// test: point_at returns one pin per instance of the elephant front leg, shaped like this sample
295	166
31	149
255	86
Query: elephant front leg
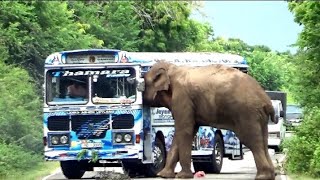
173	158
171	161
185	134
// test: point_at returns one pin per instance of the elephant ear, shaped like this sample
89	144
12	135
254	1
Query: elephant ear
161	80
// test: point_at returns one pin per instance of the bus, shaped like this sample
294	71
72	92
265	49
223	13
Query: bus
94	116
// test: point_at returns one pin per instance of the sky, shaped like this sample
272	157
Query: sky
267	23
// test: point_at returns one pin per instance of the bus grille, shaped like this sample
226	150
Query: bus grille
58	123
90	126
122	121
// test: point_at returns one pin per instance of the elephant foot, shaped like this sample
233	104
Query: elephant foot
165	173
265	176
185	174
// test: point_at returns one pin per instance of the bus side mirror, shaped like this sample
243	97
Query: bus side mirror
140	85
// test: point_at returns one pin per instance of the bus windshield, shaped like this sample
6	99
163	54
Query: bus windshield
107	86
117	86
64	89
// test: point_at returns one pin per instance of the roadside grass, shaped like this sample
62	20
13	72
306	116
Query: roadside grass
301	177
36	173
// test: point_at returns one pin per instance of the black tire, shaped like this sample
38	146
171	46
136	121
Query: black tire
151	170
216	158
241	152
72	169
277	149
132	168
135	168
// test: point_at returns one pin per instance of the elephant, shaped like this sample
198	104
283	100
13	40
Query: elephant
213	95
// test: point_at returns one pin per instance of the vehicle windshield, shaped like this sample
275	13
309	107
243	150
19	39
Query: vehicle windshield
293	112
64	87
115	86
294	115
294	109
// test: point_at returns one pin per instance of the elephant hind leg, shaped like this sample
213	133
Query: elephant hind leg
254	139
265	139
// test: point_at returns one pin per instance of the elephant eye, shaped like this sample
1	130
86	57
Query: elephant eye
157	77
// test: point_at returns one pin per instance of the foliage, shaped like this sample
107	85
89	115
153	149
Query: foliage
14	157
264	64
33	30
304	149
20	109
308	87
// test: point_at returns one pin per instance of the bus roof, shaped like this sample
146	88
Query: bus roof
186	58
90	50
107	56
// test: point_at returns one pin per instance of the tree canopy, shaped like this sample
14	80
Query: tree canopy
304	148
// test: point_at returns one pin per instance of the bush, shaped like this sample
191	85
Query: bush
303	154
20	109
15	159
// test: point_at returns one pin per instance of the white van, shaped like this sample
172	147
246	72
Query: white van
276	131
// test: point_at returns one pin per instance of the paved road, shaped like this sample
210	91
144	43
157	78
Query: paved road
238	169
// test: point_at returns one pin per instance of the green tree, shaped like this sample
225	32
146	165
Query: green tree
265	65
116	23
33	30
304	156
20	109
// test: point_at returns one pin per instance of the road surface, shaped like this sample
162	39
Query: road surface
237	169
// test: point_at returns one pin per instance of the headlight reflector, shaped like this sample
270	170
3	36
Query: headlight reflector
64	139
54	140
127	137
118	138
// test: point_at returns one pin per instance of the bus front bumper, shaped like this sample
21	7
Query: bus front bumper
90	154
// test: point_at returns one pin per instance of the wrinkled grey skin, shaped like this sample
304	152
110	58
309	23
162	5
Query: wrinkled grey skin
216	96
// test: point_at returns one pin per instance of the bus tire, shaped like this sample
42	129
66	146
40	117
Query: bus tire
159	152
132	169
216	159
72	169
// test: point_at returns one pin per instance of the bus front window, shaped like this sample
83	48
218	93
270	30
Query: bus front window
64	89
114	87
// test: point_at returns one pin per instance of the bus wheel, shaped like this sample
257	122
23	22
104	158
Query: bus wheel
159	159
72	169
132	169
216	159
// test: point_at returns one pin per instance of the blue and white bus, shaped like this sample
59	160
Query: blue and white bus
94	114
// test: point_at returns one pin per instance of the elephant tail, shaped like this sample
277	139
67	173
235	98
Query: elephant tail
271	113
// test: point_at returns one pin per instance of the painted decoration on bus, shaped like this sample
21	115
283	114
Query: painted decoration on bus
93	131
168	133
189	58
161	116
205	138
90	59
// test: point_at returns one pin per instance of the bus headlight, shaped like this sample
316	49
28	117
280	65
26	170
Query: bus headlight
58	139
118	138
54	140
127	137
123	137
64	139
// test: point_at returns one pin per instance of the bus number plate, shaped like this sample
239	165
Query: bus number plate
87	145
